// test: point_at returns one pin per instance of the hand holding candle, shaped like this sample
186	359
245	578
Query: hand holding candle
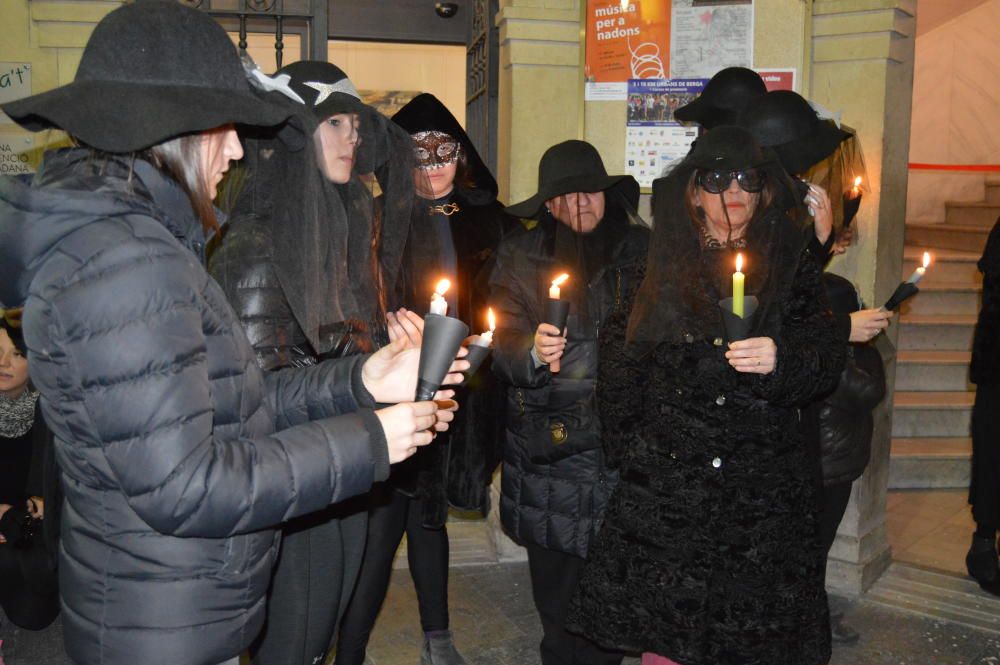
438	304
737	312
556	312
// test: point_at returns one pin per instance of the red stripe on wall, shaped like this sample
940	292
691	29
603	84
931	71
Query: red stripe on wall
918	166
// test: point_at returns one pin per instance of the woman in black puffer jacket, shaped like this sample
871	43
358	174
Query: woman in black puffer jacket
178	455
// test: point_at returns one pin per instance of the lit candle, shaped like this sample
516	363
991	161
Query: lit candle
919	272
554	289
438	304
486	339
856	190
738	280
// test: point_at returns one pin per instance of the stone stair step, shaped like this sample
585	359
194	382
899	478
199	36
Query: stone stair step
949	265
938	596
932	413
936	332
968	238
932	370
993	191
972	213
945	298
930	462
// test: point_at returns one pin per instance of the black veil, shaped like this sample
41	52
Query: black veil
333	247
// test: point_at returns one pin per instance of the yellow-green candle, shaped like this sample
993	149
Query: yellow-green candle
738	279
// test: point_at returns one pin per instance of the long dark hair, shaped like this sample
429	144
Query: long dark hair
180	158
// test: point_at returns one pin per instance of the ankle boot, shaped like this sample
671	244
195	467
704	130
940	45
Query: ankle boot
981	562
439	649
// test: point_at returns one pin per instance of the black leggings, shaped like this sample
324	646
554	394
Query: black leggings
427	552
28	591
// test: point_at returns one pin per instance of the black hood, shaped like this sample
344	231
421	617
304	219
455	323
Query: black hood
426	113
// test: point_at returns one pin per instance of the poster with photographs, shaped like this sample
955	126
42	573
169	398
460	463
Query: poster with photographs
653	139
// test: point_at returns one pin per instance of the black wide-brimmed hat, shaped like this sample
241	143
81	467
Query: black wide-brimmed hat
785	122
151	71
573	166
324	87
724	98
426	113
727	148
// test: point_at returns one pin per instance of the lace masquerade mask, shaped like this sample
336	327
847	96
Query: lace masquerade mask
435	149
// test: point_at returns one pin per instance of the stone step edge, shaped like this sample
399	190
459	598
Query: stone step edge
972	204
915	253
951	287
937	596
938	320
933	400
946	448
941	358
977	229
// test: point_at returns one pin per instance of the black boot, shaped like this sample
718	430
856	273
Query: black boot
981	562
439	649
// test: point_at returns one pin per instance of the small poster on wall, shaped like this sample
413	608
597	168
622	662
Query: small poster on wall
14	153
778	79
625	40
709	35
15	83
653	139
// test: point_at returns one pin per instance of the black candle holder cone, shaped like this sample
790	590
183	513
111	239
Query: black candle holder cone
556	313
477	354
443	337
738	328
851	206
902	293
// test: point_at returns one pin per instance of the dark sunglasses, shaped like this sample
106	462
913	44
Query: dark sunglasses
716	182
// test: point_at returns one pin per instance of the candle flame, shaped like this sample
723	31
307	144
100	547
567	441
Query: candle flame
857	181
491	317
927	259
739	262
442	287
558	281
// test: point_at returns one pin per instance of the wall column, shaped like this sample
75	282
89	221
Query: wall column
862	65
541	87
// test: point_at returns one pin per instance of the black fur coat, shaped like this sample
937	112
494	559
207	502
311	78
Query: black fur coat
709	551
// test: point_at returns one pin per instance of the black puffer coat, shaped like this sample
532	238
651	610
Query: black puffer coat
709	551
985	367
556	480
178	454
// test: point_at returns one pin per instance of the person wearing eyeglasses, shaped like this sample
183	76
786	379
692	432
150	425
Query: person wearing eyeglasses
709	551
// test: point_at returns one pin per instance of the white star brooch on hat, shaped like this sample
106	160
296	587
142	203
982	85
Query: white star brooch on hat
326	89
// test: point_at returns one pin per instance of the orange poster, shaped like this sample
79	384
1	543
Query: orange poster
629	40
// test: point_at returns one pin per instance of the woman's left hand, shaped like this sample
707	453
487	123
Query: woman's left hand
756	355
36	507
818	203
390	374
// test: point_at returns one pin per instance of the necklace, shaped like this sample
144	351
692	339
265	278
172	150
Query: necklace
710	242
17	415
446	209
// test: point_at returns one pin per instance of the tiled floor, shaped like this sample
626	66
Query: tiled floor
930	528
495	623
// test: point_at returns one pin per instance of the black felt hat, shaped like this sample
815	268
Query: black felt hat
324	87
426	113
724	98
784	121
573	166
151	71
727	148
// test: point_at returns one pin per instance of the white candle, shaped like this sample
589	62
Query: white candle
554	289
921	270
438	304
486	339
